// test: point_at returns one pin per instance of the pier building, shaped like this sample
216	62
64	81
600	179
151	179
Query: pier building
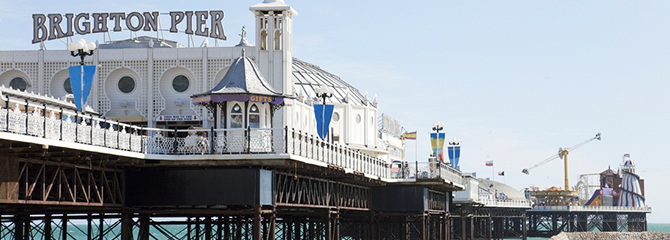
216	142
206	142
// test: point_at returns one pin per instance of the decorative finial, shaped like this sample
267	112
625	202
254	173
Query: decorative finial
244	53
42	46
243	41
151	43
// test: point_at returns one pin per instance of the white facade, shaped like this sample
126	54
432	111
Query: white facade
152	86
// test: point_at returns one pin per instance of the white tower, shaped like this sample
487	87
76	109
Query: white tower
274	42
274	46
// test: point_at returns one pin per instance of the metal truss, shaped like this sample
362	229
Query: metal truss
303	191
60	226
546	224
475	221
33	181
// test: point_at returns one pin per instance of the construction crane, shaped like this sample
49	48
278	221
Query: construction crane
562	153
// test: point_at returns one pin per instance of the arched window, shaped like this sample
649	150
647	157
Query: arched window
264	40
18	83
254	117
236	120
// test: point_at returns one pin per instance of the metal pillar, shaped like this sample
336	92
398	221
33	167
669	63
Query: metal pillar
256	229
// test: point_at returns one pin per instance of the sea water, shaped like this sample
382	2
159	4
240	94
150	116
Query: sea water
651	227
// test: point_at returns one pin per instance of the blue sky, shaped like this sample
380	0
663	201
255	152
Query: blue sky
514	80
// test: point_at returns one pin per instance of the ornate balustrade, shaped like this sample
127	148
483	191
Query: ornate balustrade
69	126
591	208
72	126
505	203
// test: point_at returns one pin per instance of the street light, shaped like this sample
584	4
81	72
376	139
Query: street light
323	93
454	141
82	50
438	126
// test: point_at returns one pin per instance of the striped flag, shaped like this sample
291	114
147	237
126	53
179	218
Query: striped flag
501	173
626	155
410	135
489	163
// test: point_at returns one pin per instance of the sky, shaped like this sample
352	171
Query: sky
513	80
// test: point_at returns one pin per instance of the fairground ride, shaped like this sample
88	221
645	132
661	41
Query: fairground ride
557	196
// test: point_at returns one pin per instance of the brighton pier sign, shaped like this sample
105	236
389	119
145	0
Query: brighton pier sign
49	27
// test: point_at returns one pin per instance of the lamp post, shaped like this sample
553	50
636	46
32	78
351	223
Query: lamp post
437	127
453	151
81	49
323	93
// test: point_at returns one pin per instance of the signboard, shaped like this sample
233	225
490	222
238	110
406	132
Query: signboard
215	98
261	99
391	126
55	26
177	118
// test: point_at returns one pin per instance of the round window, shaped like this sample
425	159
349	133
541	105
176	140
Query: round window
67	86
358	118
336	117
18	83
180	83
126	84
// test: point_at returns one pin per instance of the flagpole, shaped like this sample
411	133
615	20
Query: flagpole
493	170
416	154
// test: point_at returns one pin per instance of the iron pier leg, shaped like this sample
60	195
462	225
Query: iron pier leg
463	232
523	225
126	226
472	227
47	227
273	225
257	223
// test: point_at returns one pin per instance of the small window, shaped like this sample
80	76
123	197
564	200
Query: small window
67	86
180	83
358	118
18	83
126	84
336	117
254	117
236	120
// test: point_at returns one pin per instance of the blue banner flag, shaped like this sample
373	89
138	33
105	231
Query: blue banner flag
455	155
323	117
76	81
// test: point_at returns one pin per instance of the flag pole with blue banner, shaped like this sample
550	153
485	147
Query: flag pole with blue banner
324	112
85	73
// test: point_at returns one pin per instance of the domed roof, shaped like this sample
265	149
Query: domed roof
307	77
628	163
510	192
243	77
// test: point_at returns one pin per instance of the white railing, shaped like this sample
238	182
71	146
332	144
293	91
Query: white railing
71	126
430	170
591	208
505	203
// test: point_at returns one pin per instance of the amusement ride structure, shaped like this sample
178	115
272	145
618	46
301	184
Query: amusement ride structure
554	195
